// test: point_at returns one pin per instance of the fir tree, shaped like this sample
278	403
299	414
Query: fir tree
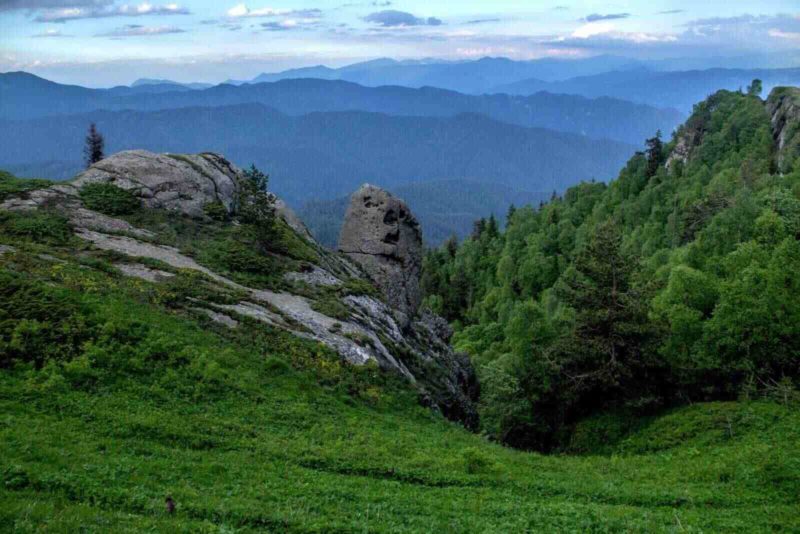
655	154
93	151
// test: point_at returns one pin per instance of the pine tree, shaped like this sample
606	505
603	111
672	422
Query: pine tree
492	230
93	151
655	154
512	209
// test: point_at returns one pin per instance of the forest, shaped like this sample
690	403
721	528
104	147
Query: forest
676	283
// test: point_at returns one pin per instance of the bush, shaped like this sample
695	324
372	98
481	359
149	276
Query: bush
40	226
38	322
216	211
109	199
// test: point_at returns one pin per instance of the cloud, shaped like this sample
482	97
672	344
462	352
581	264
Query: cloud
287	25
482	21
672	12
32	5
595	17
50	33
778	34
709	37
398	19
96	12
765	30
137	30
242	11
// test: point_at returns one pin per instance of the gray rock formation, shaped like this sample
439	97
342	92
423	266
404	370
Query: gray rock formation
176	182
391	250
381	234
783	106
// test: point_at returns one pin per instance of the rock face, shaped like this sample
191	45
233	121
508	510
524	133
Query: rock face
381	234
176	182
783	106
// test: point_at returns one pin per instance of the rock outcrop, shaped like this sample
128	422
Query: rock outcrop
382	235
783	106
178	182
416	347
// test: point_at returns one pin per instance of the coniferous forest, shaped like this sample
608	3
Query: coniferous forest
676	283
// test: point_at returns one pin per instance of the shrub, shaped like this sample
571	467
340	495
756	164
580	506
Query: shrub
40	226
109	199
38	322
216	210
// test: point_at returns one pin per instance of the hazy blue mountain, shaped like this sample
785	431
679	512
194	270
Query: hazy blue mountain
328	155
25	96
444	208
464	76
150	81
679	89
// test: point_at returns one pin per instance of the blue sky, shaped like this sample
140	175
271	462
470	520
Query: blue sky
106	42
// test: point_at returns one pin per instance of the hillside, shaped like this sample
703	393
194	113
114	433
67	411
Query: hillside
676	283
118	388
681	89
24	96
328	155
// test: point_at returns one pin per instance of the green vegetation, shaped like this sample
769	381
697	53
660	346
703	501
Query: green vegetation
674	283
39	226
10	185
120	399
109	199
591	320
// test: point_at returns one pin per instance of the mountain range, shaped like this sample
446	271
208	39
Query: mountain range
24	96
325	155
679	89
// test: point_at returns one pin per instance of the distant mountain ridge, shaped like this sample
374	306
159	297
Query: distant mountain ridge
24	96
150	81
472	77
678	89
327	155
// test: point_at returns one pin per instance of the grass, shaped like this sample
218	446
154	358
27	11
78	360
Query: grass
114	394
255	430
13	186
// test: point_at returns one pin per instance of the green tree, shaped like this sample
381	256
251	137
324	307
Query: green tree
255	205
654	154
94	146
755	88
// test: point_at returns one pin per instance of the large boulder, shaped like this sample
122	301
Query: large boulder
179	182
382	235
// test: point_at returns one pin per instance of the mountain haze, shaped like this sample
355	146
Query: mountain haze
326	155
24	96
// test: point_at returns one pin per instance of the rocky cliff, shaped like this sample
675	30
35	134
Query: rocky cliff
783	106
324	298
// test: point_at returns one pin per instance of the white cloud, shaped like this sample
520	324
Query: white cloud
592	29
50	33
125	10
137	30
778	34
241	10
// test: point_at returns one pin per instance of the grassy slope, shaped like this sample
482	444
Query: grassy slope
255	430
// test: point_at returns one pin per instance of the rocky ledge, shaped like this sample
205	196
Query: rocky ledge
382	241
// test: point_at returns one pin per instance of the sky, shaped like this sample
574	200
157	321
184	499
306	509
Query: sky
100	43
